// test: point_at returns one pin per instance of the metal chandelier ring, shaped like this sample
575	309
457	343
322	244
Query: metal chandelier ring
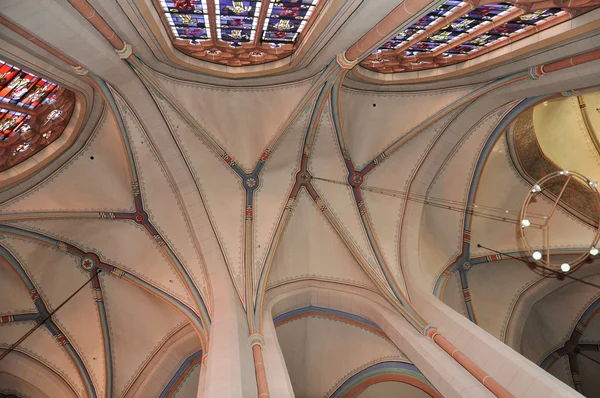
538	187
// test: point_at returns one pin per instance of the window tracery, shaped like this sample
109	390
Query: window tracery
456	31
33	113
238	33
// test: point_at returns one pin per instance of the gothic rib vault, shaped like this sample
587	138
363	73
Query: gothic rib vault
250	225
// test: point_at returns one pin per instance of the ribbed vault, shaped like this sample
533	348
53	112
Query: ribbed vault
198	195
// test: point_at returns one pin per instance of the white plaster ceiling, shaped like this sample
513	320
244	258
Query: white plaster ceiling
171	135
310	249
394	115
312	347
501	187
68	189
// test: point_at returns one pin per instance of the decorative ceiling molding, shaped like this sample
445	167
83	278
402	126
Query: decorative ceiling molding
161	366
10	260
238	33
380	372
34	113
251	58
455	32
579	27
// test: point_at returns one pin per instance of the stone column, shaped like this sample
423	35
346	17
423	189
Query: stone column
230	365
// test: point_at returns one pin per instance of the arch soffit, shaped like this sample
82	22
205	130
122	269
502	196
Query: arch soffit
86	108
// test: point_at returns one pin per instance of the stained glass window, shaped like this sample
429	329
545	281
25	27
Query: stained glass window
243	31
443	10
469	32
23	88
237	20
12	122
286	19
461	27
505	30
33	113
188	19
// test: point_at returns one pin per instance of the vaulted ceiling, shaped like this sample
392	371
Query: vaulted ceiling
187	183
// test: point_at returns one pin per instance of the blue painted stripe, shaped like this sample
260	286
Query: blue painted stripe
49	324
111	101
382	368
194	318
24	317
489	145
183	371
310	308
107	348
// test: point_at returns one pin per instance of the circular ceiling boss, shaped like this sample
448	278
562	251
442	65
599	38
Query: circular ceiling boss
530	220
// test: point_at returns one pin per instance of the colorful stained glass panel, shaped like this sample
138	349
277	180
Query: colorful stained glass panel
286	20
11	122
187	19
237	20
537	16
505	30
460	27
24	89
422	23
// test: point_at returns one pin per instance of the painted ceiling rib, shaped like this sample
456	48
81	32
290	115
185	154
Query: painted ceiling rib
143	73
60	338
21	317
302	177
466	246
194	178
355	180
457	264
251	294
445	111
108	360
141	217
110	269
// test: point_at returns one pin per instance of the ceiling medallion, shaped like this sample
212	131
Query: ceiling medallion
87	263
250	182
304	177
532	221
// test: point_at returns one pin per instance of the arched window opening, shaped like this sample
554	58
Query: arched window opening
33	113
238	33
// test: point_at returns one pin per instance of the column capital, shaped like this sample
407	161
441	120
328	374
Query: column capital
80	70
125	52
535	72
257	339
344	63
430	331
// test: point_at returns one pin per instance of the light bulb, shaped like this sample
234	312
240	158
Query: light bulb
537	255
563	172
525	223
565	267
536	188
594	251
593	184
